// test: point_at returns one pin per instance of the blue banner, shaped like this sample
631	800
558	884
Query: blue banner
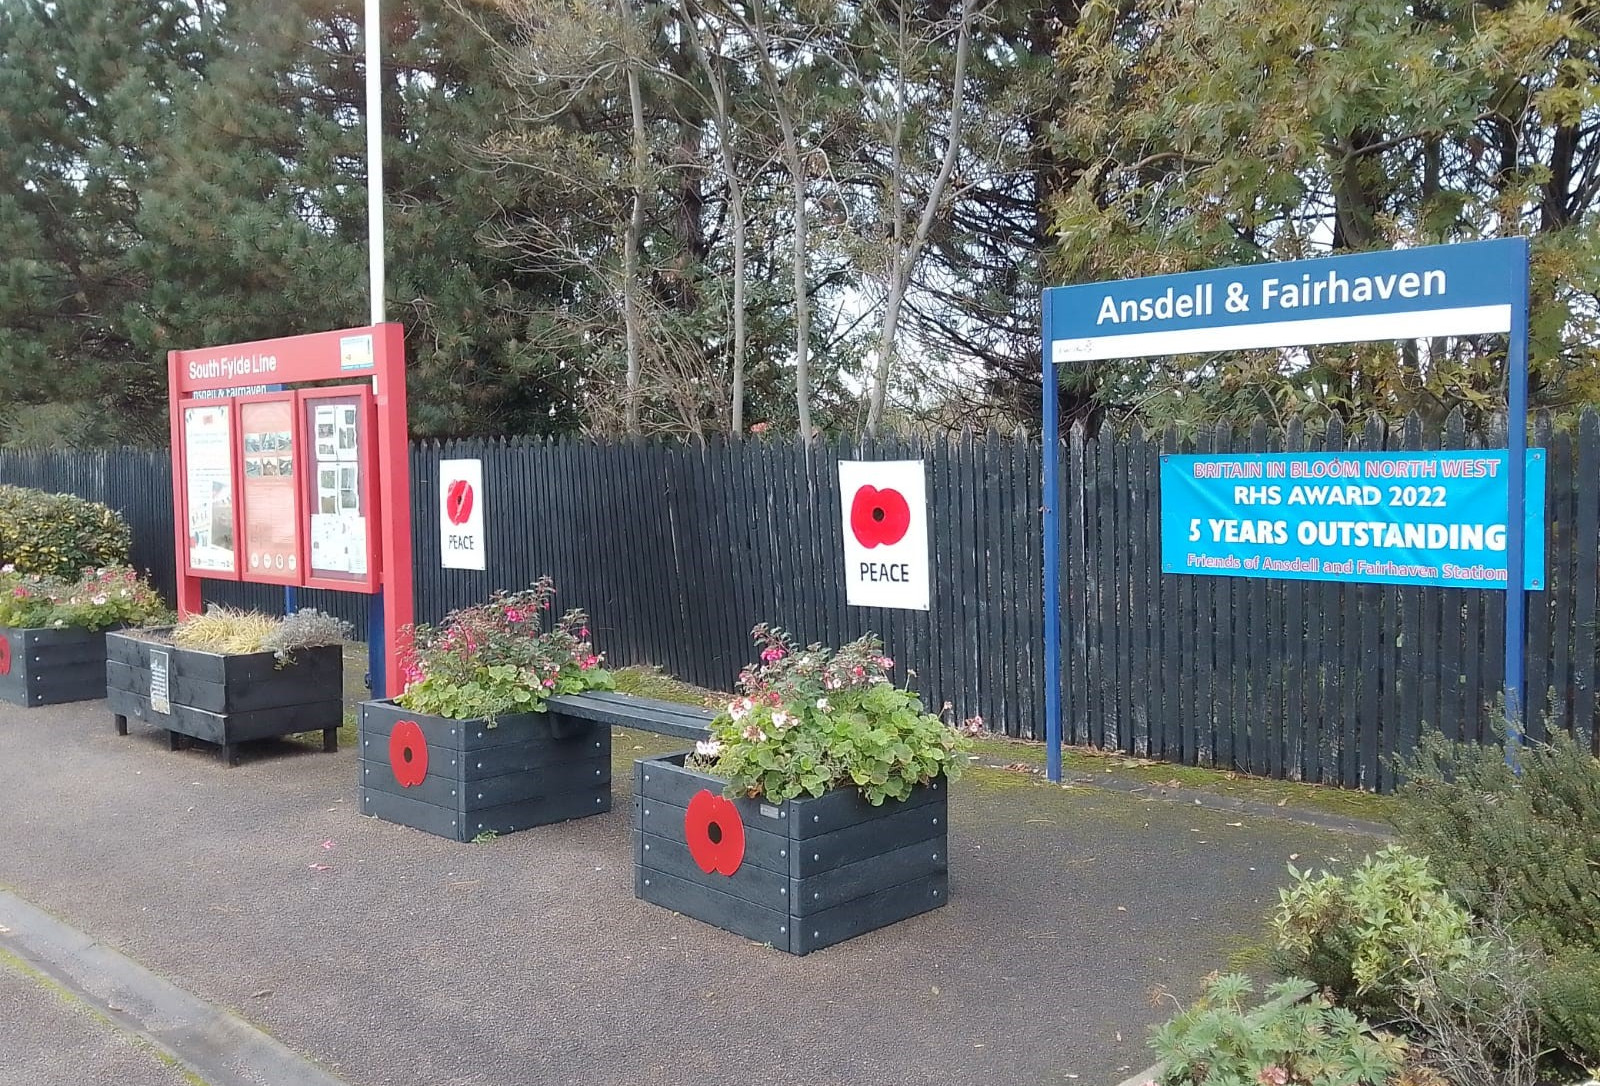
1436	290
1435	518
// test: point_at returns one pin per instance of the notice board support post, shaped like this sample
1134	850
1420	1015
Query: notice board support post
1052	560
188	587
392	605
1516	493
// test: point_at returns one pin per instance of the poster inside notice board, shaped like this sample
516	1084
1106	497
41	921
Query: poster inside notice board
208	488
269	515
339	494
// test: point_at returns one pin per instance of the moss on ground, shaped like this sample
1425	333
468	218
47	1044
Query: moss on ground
1084	762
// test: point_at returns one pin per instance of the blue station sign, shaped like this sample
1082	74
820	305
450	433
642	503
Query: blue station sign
1440	290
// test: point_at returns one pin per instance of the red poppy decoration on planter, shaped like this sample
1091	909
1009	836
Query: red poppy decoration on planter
715	833
408	754
879	516
5	655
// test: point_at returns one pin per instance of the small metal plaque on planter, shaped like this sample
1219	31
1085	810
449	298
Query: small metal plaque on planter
158	682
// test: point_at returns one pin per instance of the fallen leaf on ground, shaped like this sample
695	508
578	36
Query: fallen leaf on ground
320	867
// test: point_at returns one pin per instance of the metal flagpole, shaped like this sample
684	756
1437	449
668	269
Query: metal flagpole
372	32
375	157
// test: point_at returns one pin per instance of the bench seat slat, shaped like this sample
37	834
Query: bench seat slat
643	714
634	701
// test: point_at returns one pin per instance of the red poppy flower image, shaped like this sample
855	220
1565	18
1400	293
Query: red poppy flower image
879	516
5	655
408	754
714	832
458	501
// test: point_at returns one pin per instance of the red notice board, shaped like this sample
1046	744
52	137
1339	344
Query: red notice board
339	491
272	463
208	488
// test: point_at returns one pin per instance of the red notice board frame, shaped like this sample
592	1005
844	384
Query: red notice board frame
237	372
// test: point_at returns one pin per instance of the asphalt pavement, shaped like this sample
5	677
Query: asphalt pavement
392	958
49	1037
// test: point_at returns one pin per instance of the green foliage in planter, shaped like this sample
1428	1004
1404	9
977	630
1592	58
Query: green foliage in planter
496	657
1296	1037
814	719
98	600
1525	847
59	535
233	632
1366	937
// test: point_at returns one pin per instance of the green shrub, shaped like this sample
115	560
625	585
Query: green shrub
1366	937
1296	1037
59	535
1526	848
1476	1023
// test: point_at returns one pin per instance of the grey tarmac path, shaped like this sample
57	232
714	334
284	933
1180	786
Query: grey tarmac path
392	958
49	1037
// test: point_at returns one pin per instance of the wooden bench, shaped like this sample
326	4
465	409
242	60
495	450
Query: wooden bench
641	714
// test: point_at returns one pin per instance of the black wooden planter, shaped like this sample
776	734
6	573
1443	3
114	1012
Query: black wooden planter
462	778
812	871
224	699
50	666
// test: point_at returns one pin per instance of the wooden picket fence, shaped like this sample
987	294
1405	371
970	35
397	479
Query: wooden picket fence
677	550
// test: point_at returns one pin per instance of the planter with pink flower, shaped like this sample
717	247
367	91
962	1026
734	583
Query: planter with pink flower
817	810
471	747
53	631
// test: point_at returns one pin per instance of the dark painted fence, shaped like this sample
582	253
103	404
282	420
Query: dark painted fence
676	551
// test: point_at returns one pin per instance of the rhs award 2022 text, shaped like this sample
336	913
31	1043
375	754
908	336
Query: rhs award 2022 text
1398	518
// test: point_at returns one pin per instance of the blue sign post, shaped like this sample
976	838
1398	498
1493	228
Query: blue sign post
1474	288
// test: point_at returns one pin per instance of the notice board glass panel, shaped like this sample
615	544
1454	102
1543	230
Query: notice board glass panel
269	490
208	489
340	490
